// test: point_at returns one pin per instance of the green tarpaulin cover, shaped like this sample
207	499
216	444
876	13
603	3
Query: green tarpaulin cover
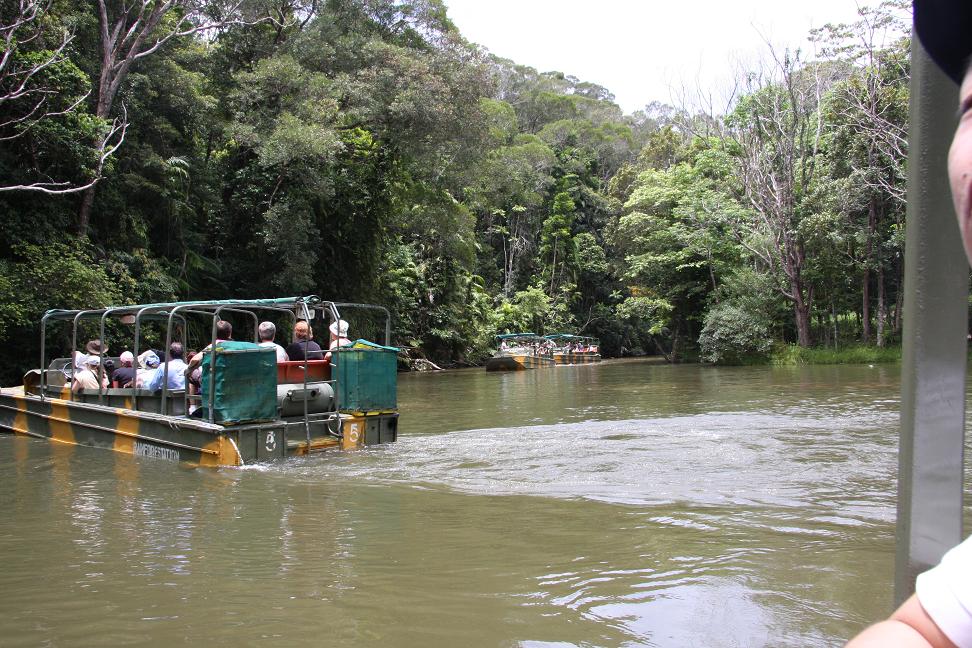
245	383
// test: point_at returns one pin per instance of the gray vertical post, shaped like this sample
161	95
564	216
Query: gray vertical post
934	345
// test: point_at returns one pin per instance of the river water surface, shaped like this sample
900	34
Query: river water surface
624	504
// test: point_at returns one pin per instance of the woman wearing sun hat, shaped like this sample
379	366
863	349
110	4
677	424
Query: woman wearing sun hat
148	363
88	376
339	334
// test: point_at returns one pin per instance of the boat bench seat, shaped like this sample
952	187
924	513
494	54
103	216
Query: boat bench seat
292	371
148	400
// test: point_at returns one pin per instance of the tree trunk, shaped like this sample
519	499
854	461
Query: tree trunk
801	313
833	315
675	340
868	260
866	306
553	268
880	307
898	301
823	328
661	349
84	213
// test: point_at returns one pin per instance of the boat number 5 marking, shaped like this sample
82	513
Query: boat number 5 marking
354	433
271	443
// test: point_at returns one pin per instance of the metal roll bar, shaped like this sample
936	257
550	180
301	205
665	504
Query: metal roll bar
294	307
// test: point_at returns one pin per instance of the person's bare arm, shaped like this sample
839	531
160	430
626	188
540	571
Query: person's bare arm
908	627
194	362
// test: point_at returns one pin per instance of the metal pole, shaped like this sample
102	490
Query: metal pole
930	456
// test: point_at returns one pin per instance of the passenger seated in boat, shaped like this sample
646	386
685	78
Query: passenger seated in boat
91	376
304	347
124	375
267	331
224	333
174	367
339	334
148	363
339	337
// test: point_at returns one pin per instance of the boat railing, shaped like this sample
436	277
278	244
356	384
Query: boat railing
177	313
56	379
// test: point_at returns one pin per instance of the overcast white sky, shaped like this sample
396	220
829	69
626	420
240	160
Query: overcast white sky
642	50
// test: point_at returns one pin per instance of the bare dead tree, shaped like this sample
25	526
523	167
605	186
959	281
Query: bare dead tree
27	100
131	30
18	81
105	147
777	133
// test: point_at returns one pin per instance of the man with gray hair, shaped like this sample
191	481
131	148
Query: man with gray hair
267	331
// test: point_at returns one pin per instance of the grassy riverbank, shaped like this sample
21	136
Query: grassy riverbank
788	355
791	354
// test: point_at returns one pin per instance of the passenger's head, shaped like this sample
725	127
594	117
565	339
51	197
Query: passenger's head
224	330
127	359
302	331
338	329
267	331
96	347
944	28
149	360
175	351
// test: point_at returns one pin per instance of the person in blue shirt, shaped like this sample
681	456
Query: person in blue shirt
174	367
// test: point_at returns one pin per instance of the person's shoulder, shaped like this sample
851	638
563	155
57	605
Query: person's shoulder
960	553
294	351
945	594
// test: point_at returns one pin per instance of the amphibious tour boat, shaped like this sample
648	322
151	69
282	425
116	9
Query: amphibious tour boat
574	349
249	408
519	351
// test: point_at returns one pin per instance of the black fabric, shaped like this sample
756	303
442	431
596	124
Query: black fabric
945	30
296	351
123	376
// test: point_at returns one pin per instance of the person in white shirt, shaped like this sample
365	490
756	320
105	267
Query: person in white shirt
267	331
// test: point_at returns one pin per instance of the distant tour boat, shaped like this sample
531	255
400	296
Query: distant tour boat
574	349
519	351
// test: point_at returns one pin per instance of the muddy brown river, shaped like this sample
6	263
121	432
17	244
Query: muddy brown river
624	504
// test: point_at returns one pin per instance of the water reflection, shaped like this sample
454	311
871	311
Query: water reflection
618	505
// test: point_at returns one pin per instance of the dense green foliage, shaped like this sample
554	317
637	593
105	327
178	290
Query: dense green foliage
364	151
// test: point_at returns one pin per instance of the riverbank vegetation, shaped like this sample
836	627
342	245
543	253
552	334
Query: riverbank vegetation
794	354
365	151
